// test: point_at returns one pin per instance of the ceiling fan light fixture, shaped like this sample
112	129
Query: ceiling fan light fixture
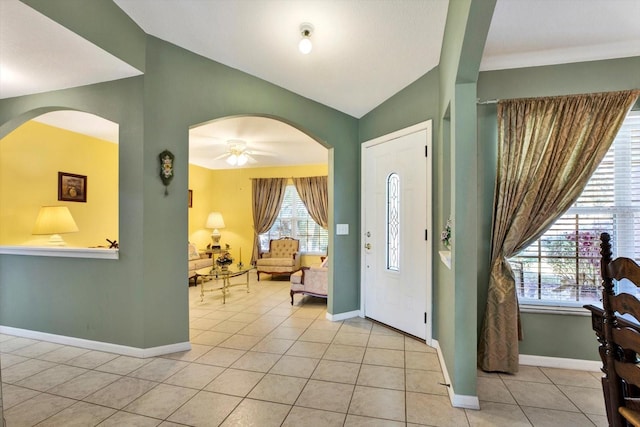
232	159
305	44
237	154
242	159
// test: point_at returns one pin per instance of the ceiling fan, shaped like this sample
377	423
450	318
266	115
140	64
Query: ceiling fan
237	153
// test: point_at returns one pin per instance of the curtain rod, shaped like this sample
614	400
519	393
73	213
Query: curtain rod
495	101
487	102
290	177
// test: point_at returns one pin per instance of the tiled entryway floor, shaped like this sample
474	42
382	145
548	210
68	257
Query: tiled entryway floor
258	361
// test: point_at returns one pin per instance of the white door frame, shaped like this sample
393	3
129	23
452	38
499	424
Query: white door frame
428	126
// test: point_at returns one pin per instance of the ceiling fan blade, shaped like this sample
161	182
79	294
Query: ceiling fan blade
221	156
262	153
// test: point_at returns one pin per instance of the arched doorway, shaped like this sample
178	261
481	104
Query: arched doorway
218	183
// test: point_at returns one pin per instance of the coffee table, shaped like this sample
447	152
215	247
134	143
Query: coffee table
225	275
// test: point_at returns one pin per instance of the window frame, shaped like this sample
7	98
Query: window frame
623	209
264	238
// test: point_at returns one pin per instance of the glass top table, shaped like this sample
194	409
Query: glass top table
218	273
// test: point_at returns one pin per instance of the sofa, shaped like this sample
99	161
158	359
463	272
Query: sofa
312	281
197	261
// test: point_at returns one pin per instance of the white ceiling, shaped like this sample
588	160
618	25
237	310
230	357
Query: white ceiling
364	50
39	55
269	142
526	33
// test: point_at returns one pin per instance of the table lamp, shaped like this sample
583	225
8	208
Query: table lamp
215	221
55	220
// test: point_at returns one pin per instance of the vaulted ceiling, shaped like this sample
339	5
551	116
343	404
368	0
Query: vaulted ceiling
364	51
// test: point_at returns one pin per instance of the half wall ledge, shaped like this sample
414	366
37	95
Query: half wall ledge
61	252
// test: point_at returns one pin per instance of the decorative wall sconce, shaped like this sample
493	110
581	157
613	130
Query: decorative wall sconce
166	169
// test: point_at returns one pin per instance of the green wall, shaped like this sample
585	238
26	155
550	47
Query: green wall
414	104
141	300
465	34
85	298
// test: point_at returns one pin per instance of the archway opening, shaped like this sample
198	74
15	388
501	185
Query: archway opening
61	158
220	183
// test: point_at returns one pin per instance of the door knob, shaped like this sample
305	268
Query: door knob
367	246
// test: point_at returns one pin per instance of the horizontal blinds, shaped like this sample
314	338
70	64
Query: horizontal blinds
563	265
294	221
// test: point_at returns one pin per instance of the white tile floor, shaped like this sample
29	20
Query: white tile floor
258	361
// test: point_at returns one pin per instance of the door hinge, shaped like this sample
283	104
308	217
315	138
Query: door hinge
425	317
426	234
426	151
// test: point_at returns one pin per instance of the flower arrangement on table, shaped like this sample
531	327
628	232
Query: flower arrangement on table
224	259
445	235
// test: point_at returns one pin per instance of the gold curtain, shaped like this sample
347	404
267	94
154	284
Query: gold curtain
267	196
313	193
548	148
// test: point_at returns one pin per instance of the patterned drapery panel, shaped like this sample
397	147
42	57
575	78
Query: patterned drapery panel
267	196
313	193
548	148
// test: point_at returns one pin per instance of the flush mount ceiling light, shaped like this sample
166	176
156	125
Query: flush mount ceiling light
305	44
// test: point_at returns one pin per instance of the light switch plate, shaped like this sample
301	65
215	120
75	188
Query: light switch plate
342	229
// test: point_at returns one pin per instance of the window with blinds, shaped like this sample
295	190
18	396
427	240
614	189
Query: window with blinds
563	266
294	221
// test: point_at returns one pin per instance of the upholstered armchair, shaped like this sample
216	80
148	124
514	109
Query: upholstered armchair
282	259
311	281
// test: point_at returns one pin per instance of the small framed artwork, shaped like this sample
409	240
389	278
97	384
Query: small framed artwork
190	198
72	187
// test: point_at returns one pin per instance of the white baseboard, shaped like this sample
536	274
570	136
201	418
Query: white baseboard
343	316
98	345
457	400
561	362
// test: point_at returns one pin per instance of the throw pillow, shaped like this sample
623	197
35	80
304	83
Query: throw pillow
193	252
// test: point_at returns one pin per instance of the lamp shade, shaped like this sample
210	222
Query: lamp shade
215	220
54	220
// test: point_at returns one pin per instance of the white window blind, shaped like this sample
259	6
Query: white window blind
563	266
294	221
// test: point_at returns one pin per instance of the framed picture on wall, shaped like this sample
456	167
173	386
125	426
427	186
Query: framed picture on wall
72	187
190	198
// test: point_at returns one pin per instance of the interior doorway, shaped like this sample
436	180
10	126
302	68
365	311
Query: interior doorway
220	182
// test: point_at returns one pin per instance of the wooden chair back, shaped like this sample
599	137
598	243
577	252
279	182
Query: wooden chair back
622	339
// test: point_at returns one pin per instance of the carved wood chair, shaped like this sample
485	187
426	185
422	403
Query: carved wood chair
621	339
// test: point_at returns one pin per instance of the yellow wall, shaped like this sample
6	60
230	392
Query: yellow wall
30	158
229	192
32	155
201	184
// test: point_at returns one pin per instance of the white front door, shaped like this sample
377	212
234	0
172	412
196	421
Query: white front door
396	270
